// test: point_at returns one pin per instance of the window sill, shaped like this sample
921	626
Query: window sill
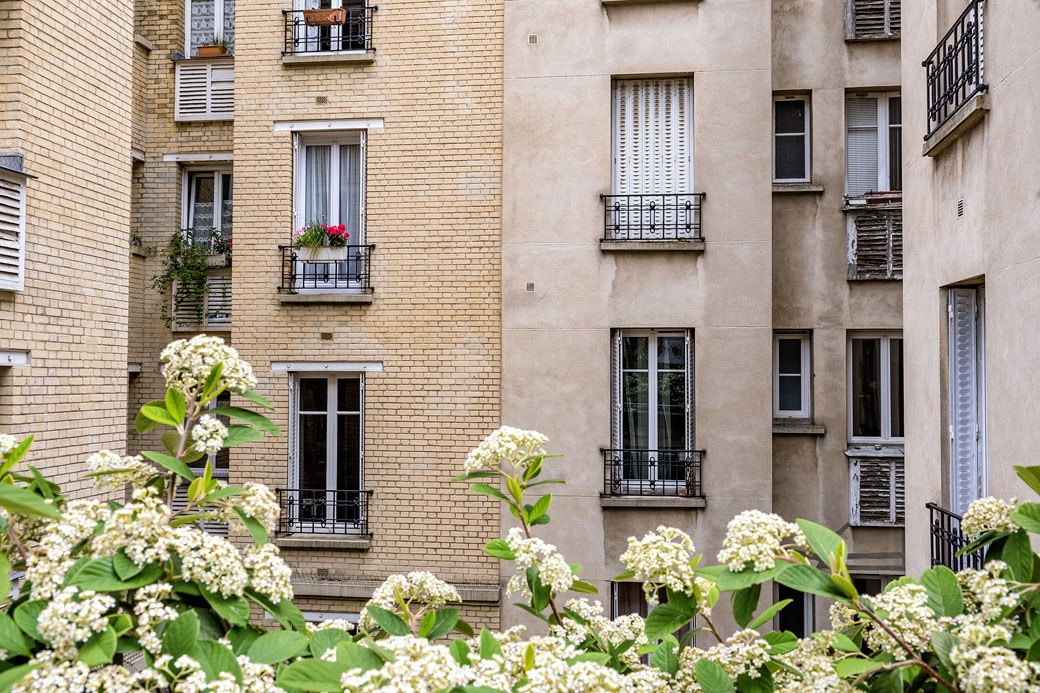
851	205
869	38
689	246
345	57
961	121
612	3
325	543
200	328
651	502
328	297
875	450
798	428
179	58
797	188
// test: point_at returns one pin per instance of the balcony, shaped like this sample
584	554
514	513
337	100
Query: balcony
652	222
652	474
948	539
344	278
954	73
323	511
335	35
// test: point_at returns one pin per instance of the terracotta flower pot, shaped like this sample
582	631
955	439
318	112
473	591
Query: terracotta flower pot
307	254
336	16
212	51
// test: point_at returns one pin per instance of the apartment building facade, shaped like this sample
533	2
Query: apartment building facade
973	212
64	215
702	271
381	357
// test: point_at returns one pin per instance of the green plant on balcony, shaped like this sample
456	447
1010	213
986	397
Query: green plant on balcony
184	275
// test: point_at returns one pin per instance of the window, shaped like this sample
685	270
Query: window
12	230
873	143
797	617
221	463
208	202
653	136
871	19
875	243
352	35
791	140
876	388
331	175
629	598
792	376
967	395
207	19
326	442
215	313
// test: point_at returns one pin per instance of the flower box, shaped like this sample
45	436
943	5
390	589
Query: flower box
336	16
212	51
311	254
217	260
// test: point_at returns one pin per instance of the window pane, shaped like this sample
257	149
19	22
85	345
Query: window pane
348	452
896	384
671	353
229	24
314	394
866	388
203	26
316	183
790	156
635	353
671	411
861	145
313	448
790	392
201	203
635	399
348	394
790	116
350	190
226	204
790	359
630	599
792	618
895	144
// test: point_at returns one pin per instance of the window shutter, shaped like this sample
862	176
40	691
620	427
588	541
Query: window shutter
653	136
691	437
861	145
877	492
872	19
205	91
12	233
615	389
293	434
965	460
875	245
180	502
216	307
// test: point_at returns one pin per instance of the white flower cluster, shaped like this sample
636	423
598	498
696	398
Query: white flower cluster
211	560
419	586
994	670
141	528
7	443
52	557
114	470
209	435
661	559
626	627
339	623
553	569
260	503
813	659
909	616
507	444
985	592
418	667
150	611
188	363
758	537
989	514
745	652
72	616
590	677
271	576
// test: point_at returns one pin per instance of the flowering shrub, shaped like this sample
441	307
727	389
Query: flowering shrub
108	580
318	235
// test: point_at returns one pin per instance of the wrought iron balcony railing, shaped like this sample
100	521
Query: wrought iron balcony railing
323	511
954	67
948	539
669	217
633	472
347	271
303	36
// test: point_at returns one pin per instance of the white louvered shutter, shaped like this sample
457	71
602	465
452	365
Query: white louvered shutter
877	492
615	389
185	315
691	437
965	433
653	136
205	91
12	232
873	18
861	145
218	301
180	502
293	433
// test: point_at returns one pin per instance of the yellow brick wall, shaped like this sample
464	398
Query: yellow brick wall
65	78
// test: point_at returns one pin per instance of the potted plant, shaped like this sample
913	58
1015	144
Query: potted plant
335	16
184	275
213	48
219	250
317	242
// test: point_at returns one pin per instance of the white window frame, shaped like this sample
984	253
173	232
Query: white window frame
218	194
218	23
807	132
886	385
333	141
883	127
806	376
17	179
652	371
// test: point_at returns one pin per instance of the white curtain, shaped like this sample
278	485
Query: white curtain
203	22
316	183
202	206
229	24
350	191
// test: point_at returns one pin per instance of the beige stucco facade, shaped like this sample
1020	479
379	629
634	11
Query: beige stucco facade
990	170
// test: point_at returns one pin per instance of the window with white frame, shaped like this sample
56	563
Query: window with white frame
797	617
208	204
12	230
791	139
653	136
206	20
875	390
792	375
874	140
628	598
331	182
326	442
350	36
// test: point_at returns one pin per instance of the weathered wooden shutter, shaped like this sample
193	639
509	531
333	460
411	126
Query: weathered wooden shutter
293	433
877	491
691	431
966	458
180	502
615	389
12	232
865	19
205	91
861	145
875	245
653	136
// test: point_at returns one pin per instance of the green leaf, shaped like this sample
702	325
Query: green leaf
18	500
745	602
844	643
238	435
769	613
460	652
325	639
625	576
272	648
287	613
221	494
666	657
142	423
513	486
5	580
541	506
944	592
466	629
1018	554
762	684
159	414
242	638
125	568
1027	516
780	642
444	623
17	453
531	610
99	575
823	541
1030	475
664	620
712	677
887	682
729	581
250	417
427	623
181	635
529	657
854	666
942	643
488	491
234	610
489	647
213	379
120	623
806	578
171	463
311	675
388	620
350	655
99	648
499	548
12	676
11	638
216	659
583	587
254	528
26	615
257	399
175	405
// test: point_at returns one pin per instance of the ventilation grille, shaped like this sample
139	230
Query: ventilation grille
873	19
